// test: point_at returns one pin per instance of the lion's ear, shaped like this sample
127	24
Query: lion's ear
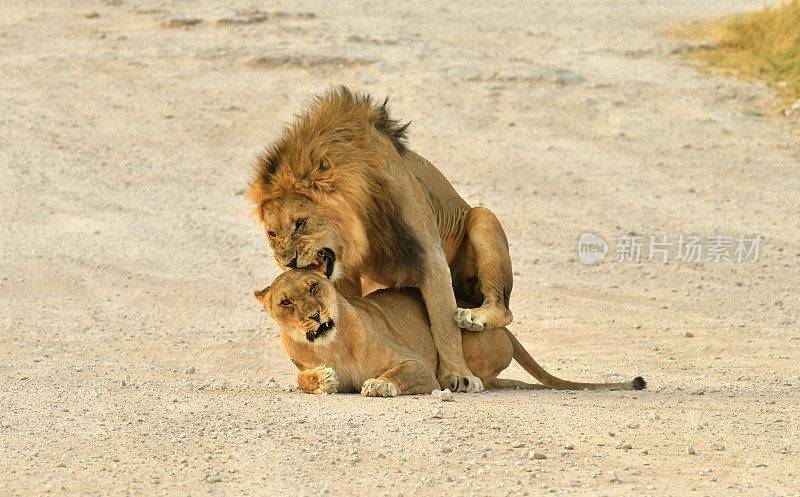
261	295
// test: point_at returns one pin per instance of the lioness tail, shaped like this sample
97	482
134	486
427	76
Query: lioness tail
531	366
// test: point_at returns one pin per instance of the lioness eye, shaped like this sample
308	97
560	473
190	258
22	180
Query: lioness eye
286	302
271	234
312	287
299	224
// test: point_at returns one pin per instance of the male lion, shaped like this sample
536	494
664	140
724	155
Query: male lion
354	344
340	189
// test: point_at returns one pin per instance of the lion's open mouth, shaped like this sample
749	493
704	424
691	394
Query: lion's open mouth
326	259
321	330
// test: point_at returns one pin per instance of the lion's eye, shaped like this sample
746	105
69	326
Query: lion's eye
271	234
312	287
299	224
286	302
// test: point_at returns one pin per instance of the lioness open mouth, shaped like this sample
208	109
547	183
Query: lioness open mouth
326	258
321	330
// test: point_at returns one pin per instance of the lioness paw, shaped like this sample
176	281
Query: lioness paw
318	380
378	388
455	383
328	380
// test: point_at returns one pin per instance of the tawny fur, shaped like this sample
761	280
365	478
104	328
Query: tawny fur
340	177
366	353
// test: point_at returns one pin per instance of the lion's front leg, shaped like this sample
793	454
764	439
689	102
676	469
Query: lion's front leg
437	292
318	380
410	377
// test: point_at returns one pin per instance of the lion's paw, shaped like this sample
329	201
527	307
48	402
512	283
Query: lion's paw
469	320
375	387
470	384
482	318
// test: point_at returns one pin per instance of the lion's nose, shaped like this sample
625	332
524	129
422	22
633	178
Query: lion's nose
315	316
293	263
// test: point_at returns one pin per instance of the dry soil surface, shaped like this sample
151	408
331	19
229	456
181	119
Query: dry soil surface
135	361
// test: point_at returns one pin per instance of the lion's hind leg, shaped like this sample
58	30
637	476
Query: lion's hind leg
492	265
409	377
318	380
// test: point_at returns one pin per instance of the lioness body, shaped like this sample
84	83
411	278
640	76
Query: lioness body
362	348
340	189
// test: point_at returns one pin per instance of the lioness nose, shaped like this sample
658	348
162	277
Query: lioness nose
315	316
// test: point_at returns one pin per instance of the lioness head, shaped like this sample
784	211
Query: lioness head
303	303
320	192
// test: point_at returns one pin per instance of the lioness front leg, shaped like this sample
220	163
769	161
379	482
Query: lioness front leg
318	380
437	292
491	263
410	377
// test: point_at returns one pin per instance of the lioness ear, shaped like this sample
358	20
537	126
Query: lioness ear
261	295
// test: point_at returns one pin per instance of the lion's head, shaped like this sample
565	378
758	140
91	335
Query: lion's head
303	303
322	193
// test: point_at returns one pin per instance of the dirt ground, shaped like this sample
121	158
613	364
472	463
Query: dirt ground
135	361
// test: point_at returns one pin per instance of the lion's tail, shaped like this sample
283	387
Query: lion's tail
531	366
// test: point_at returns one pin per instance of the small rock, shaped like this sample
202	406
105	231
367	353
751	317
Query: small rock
612	477
718	447
754	464
517	445
633	426
443	395
538	455
689	334
437	413
495	426
189	370
690	450
181	21
569	446
213	478
624	445
447	450
91	15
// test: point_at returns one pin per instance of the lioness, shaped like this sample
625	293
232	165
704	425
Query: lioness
339	190
354	344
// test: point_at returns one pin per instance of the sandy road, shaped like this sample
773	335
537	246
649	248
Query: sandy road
134	361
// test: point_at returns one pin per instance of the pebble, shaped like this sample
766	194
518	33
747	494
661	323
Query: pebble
180	21
690	450
189	370
437	413
443	395
538	455
633	426
91	15
569	446
213	478
754	464
612	477
718	446
624	446
689	334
